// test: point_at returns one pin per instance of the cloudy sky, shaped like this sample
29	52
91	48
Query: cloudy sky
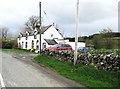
94	15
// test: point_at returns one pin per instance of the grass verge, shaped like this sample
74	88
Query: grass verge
14	50
86	75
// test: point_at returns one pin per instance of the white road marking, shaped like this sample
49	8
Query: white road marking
1	80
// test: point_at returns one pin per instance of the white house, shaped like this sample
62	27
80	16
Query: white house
49	37
31	39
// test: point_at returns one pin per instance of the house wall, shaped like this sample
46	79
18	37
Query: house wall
51	31
47	35
21	42
30	39
80	44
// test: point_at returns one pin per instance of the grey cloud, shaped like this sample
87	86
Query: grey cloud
93	11
94	14
89	12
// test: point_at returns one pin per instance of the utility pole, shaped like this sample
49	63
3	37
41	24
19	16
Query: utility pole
40	25
76	36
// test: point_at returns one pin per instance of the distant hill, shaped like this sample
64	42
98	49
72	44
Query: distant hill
110	40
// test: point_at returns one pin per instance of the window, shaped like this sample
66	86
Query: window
32	44
26	37
37	41
26	45
44	45
51	35
37	47
35	36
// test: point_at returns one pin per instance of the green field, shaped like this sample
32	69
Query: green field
86	75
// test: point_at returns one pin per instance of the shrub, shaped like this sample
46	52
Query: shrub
8	44
0	43
15	44
32	50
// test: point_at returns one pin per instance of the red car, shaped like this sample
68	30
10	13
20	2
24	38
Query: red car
61	47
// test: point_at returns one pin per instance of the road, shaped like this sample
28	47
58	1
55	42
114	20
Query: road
19	71
0	66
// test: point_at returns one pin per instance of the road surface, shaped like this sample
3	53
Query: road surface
0	67
17	70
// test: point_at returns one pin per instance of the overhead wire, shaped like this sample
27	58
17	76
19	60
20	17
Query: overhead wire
48	19
46	15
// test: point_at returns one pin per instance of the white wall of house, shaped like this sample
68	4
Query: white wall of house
29	42
21	42
51	33
80	44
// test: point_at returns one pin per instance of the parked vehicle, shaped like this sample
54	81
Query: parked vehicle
61	47
83	49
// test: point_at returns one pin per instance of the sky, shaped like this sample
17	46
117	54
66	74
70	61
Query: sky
94	15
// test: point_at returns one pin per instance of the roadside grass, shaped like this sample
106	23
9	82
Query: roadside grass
83	74
118	52
14	50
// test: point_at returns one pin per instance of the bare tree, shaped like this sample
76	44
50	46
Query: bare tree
32	22
107	32
107	35
4	32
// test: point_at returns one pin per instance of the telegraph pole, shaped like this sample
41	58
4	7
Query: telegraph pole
76	36
40	25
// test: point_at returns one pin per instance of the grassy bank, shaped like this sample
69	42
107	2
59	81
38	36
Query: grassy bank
14	50
86	75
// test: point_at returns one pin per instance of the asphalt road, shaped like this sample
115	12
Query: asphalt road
0	67
18	70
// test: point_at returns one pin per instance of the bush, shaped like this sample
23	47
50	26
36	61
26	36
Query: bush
0	43
8	44
32	50
15	44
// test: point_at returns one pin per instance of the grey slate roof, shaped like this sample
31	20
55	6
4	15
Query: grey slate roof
43	29
23	34
50	41
31	33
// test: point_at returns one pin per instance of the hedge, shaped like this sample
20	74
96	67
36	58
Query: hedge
8	44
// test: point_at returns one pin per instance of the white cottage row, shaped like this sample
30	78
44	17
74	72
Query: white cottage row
30	39
49	36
